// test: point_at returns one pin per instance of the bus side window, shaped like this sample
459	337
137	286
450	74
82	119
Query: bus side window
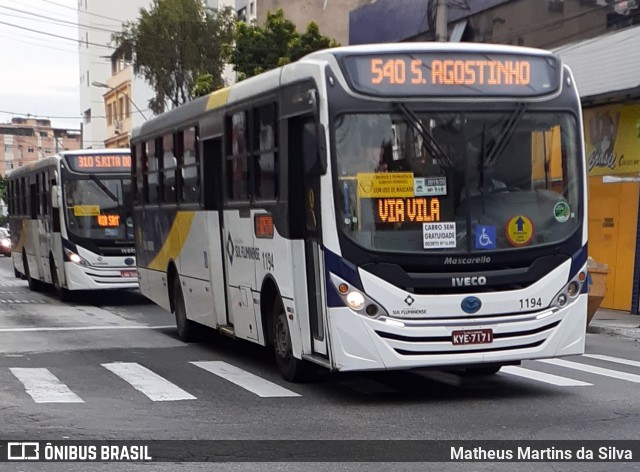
236	160
190	167
151	173
265	153
55	212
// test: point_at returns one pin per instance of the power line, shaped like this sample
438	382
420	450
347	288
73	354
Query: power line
49	19
57	35
85	12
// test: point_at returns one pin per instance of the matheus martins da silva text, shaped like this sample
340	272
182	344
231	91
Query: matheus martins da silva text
606	453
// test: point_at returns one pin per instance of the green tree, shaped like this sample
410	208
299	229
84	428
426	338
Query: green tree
258	49
173	44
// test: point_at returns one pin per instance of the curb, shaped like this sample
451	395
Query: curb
631	333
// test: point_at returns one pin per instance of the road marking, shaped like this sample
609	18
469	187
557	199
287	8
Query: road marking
79	328
44	387
151	384
593	369
613	359
244	379
543	377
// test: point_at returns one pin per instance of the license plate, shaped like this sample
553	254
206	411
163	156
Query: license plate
128	273
476	336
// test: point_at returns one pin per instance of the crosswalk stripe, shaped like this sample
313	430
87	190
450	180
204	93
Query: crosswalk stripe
543	377
593	369
151	384
43	386
244	379
617	360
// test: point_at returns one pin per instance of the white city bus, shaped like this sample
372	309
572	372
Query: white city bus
374	207
71	223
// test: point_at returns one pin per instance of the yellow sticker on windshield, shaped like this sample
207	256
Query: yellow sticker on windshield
86	210
519	230
385	185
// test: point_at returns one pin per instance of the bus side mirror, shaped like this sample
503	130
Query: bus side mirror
55	196
314	149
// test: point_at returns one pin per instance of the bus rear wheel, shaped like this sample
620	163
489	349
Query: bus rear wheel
63	294
186	328
291	369
34	285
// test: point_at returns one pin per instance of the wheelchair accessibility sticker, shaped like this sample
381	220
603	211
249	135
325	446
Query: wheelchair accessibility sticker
485	237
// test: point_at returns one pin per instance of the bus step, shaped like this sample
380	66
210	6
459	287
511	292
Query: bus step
227	330
316	359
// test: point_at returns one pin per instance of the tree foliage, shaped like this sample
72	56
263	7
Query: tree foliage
175	42
258	49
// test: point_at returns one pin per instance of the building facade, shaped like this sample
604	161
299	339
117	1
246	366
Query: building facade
25	140
535	23
331	16
97	21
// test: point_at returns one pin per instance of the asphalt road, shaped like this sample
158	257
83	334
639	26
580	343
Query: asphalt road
111	367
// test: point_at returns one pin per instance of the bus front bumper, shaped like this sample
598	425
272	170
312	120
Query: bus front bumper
362	343
100	278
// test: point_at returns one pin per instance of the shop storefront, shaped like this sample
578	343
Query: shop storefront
612	144
607	74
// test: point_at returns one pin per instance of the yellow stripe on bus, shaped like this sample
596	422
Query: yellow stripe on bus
174	242
23	236
218	98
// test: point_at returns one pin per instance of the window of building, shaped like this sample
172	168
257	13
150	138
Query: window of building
30	149
87	116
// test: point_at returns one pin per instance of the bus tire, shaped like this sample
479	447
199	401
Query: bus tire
34	285
291	369
64	295
186	328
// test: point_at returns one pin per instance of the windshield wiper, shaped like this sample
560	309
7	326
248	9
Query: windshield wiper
505	136
104	188
429	141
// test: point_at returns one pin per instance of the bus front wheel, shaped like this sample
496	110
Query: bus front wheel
292	369
186	327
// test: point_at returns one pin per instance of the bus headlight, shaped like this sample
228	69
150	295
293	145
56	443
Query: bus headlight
571	290
357	300
75	258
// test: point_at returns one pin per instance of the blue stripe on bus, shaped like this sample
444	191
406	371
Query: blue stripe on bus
578	260
345	270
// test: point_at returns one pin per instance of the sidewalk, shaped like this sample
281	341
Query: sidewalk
616	323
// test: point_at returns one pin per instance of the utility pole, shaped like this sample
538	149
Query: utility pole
441	20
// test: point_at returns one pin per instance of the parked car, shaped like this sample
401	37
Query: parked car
5	242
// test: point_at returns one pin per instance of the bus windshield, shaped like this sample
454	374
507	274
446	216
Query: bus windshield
98	207
462	182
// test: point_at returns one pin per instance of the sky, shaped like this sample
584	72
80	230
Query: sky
40	72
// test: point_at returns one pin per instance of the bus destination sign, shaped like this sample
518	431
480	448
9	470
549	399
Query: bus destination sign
116	163
451	74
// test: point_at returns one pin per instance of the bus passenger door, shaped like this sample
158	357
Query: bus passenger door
305	142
